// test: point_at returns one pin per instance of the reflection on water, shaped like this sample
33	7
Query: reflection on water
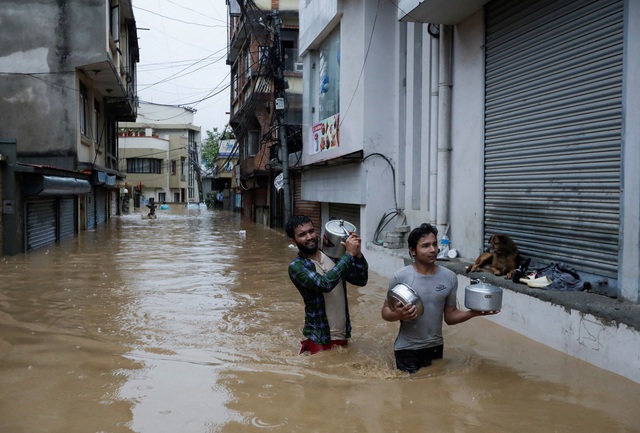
181	324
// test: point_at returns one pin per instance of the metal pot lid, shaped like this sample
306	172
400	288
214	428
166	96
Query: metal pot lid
338	227
483	287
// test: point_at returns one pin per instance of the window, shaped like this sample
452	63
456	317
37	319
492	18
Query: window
84	110
327	97
263	55
115	23
96	122
234	83
289	55
174	164
144	165
162	197
253	142
183	169
247	66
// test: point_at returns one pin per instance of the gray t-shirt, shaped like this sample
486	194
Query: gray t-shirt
436	291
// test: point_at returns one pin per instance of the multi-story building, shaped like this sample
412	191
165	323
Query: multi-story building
263	55
484	117
68	74
159	155
220	184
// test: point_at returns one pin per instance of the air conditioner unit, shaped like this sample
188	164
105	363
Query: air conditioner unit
298	67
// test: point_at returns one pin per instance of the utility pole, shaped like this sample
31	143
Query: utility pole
280	116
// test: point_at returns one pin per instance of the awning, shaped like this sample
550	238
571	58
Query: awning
101	178
439	11
40	185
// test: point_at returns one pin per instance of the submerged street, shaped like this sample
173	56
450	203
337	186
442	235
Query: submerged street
187	324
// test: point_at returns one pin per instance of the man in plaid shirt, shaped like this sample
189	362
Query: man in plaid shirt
315	275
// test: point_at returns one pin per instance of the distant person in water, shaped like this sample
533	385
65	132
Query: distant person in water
321	281
152	208
164	206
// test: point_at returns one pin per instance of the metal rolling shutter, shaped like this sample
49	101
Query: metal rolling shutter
101	206
41	222
91	210
347	212
553	129
312	209
67	217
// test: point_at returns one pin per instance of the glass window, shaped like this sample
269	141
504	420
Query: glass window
247	66
253	144
328	76
96	122
144	165
234	83
263	53
115	23
84	109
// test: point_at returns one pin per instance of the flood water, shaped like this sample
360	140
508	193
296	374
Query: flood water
181	324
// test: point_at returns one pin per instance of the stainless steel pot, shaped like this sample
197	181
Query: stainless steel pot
401	295
336	231
483	297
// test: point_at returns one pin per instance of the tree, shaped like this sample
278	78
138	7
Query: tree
211	147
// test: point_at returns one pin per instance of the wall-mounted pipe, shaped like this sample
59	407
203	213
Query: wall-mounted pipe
433	128
444	128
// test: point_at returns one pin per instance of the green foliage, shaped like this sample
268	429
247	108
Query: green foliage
210	200
211	147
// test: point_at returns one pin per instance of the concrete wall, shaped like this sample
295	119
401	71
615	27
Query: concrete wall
367	96
60	37
611	346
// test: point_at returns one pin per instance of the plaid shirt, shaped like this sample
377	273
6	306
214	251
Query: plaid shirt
312	285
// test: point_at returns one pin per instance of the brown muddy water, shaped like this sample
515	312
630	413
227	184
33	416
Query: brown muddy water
180	325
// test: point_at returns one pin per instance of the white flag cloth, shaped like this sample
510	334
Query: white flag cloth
279	182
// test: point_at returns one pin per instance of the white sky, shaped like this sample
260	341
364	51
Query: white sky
183	57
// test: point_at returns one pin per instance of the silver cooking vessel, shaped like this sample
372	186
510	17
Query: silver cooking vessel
402	294
481	296
336	231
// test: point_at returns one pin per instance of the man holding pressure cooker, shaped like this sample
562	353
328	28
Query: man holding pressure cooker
316	275
419	340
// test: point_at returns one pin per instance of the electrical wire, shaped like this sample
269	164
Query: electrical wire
178	20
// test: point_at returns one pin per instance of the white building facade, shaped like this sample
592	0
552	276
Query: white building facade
516	117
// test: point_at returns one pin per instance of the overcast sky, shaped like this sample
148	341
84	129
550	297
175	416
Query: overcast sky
183	57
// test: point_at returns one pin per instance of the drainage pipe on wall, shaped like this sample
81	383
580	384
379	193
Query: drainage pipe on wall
433	127
444	128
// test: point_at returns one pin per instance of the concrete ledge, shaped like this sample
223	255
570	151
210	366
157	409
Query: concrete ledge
609	310
597	329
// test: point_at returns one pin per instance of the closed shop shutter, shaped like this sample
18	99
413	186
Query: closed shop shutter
305	207
113	197
67	217
347	212
101	206
41	222
91	210
553	129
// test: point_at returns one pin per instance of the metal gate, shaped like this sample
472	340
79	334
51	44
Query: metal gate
91	210
67	217
553	121
312	209
101	205
41	222
347	212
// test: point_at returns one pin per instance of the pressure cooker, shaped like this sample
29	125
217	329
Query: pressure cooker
481	296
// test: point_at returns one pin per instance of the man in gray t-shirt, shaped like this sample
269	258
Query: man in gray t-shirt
420	339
